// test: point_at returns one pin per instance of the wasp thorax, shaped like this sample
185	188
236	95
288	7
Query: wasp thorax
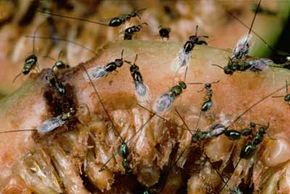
115	22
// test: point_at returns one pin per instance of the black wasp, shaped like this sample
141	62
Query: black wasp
55	82
164	32
59	64
31	61
114	22
193	40
165	101
110	67
207	104
140	87
130	31
250	147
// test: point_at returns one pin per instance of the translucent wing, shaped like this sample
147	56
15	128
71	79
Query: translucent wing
260	64
242	47
50	125
163	103
95	73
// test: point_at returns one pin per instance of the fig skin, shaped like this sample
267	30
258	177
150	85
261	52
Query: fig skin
26	107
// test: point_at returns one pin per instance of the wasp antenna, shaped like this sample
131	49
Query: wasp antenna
129	62
60	54
107	162
136	57
70	17
140	129
139	11
19	130
227	181
254	32
183	121
47	56
122	52
150	111
101	102
219	174
277	96
65	40
196	29
196	126
185	73
215	82
256	103
217	66
16	77
195	83
252	24
287	87
200	90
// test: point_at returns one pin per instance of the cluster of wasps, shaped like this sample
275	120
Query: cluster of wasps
239	61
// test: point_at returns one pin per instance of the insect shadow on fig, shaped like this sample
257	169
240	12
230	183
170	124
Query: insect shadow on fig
114	22
123	149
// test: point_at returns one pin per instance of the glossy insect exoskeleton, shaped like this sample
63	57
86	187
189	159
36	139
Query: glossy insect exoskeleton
192	41
58	85
31	61
249	149
109	68
55	82
237	60
117	21
130	31
199	136
140	87
207	103
123	149
59	65
184	54
124	152
276	56
165	101
114	22
164	32
235	135
50	124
